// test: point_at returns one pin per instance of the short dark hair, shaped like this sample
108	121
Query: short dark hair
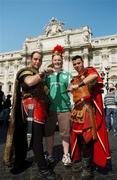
77	57
34	53
9	96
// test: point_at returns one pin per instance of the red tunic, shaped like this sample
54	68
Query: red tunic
39	112
101	145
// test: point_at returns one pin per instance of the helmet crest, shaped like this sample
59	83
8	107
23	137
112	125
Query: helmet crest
58	50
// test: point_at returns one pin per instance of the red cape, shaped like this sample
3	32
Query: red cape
101	145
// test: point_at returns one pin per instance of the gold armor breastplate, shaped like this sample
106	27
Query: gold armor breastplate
80	92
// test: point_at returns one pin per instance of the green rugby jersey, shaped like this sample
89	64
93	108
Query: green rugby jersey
57	84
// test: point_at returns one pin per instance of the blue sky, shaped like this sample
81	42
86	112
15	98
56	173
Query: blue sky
26	18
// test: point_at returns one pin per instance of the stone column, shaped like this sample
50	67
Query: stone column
6	77
16	65
66	63
86	57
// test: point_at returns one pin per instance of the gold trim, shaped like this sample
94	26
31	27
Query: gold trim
77	131
38	122
109	157
74	147
27	72
101	142
97	107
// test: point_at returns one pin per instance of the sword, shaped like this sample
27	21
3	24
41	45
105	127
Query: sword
29	124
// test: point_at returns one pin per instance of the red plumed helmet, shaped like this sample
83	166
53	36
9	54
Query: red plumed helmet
58	50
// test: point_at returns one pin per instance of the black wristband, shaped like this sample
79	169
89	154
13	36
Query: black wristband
81	84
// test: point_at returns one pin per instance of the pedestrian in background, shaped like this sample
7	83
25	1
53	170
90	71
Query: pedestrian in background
111	109
2	99
6	111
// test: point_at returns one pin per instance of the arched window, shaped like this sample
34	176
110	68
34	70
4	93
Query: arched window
9	87
113	57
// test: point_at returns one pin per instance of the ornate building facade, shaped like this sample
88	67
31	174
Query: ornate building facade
100	52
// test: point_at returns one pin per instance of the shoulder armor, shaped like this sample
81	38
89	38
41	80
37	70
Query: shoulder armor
24	71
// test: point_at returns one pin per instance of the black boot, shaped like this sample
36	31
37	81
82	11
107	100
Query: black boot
86	173
77	167
50	160
47	174
19	167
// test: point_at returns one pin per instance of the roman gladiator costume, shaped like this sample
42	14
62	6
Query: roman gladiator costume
89	141
29	106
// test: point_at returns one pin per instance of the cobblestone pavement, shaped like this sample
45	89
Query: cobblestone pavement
32	172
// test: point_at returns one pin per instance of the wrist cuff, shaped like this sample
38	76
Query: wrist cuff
81	84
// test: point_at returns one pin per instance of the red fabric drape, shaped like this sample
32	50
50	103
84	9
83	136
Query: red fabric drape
101	145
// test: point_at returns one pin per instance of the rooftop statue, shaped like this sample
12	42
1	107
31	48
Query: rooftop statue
54	27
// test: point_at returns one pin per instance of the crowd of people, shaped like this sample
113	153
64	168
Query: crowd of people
40	100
